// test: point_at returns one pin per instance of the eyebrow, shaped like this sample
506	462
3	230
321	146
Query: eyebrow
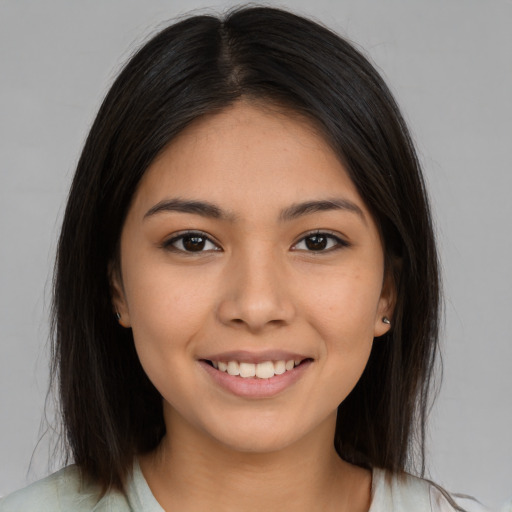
298	210
294	211
203	208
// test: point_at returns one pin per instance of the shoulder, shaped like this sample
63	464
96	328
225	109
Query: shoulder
62	492
406	492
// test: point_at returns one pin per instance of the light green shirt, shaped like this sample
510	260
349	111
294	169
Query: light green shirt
64	492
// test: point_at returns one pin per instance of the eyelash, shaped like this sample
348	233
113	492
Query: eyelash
168	244
339	243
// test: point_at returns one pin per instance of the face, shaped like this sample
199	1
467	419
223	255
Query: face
252	276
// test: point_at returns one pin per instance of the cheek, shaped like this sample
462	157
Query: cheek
342	311
160	296
167	311
346	302
344	319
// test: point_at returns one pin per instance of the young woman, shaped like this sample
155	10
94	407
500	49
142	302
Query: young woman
246	294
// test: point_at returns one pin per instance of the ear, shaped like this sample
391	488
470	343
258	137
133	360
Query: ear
386	306
118	296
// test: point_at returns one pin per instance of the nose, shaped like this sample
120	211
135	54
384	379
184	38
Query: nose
256	294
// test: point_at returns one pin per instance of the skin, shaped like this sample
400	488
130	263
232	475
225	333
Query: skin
255	286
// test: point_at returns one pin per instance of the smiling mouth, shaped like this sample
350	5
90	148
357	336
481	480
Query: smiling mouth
263	370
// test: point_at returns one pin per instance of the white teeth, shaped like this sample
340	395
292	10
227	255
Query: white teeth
233	368
263	370
279	367
247	370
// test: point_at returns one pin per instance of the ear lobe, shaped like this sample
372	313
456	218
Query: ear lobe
386	307
118	295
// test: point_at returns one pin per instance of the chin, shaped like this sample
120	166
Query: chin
255	442
263	436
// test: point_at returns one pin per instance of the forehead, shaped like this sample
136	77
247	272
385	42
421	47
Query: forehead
248	155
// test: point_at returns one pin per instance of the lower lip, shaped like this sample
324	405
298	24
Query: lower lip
254	387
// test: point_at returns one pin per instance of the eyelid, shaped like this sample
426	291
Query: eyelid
341	241
168	242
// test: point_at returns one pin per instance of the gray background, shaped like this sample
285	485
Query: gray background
449	63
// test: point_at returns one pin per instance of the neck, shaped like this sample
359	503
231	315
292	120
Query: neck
190	471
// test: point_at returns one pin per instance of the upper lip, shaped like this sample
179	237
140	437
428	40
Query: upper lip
247	356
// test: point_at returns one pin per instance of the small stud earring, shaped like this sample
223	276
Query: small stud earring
385	320
118	316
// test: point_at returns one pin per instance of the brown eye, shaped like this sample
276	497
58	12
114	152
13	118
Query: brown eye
194	243
316	242
191	242
320	242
